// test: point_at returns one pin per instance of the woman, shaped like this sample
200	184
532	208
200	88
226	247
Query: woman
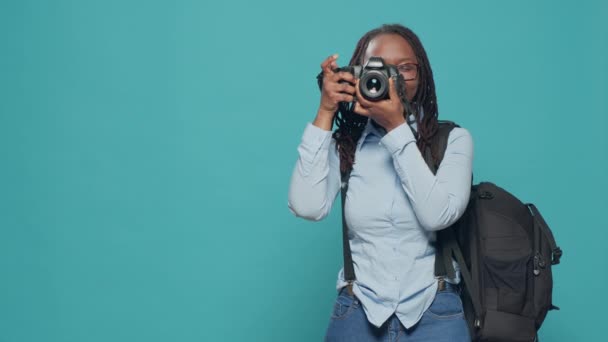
394	203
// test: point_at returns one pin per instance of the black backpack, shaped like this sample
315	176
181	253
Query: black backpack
504	250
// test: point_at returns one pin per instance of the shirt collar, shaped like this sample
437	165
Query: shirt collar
370	128
373	128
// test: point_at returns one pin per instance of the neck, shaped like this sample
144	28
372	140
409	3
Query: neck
378	126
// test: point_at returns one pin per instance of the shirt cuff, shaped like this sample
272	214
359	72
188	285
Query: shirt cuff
316	137
398	138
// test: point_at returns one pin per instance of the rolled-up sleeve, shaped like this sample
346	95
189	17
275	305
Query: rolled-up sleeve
315	180
438	199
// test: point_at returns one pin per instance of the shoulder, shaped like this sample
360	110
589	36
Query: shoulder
458	132
460	138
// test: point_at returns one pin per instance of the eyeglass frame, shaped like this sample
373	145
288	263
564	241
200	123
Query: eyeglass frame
417	67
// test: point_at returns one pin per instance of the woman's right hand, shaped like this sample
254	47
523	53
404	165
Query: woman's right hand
334	90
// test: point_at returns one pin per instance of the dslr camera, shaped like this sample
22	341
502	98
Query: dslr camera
373	79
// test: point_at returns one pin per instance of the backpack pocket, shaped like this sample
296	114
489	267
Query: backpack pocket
501	326
507	262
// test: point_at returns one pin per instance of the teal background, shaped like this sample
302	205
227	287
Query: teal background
147	148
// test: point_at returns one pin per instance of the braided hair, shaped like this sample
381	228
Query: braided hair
350	125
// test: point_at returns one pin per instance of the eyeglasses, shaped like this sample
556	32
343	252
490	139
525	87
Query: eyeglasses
408	70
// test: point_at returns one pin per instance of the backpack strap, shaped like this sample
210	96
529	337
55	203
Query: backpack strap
447	245
443	256
349	271
539	221
439	144
453	248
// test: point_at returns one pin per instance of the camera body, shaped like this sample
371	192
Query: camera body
374	78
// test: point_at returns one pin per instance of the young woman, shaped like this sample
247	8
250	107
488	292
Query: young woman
394	203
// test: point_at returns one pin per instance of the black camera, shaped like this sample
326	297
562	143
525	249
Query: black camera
373	79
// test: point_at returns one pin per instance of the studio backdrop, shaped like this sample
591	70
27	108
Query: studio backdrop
147	147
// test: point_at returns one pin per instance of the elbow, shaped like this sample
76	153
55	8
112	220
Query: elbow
432	220
306	210
434	225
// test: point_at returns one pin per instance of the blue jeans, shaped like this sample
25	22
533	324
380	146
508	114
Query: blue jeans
443	321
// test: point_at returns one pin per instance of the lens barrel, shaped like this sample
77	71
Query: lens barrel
373	85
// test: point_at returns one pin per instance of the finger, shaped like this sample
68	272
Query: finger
345	97
331	65
334	65
327	61
347	76
346	88
360	110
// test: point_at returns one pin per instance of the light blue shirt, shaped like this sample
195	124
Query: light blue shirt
394	205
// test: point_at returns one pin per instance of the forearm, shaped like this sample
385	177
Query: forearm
324	120
315	180
438	199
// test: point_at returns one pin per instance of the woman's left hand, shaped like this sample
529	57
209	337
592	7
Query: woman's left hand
387	113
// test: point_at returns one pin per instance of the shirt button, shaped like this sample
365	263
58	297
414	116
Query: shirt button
394	249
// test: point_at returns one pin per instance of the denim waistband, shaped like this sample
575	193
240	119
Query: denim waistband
447	287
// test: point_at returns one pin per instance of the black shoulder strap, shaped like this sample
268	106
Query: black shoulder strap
453	248
349	271
544	228
443	257
439	144
447	243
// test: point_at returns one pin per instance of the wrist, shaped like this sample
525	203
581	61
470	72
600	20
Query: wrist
395	124
324	120
325	113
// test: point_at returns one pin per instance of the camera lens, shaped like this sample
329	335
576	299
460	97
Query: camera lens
373	85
